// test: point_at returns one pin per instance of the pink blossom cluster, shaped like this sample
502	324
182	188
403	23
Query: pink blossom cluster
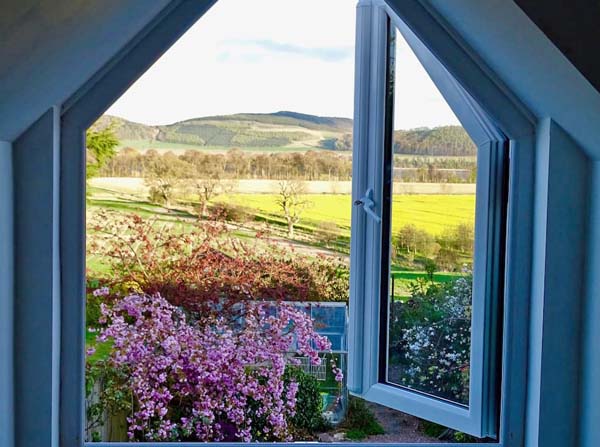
215	381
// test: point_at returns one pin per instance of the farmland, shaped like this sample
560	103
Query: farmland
432	213
324	213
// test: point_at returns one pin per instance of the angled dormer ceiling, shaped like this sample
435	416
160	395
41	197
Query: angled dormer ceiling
574	27
49	49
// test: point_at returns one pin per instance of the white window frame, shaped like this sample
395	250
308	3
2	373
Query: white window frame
493	135
479	417
106	86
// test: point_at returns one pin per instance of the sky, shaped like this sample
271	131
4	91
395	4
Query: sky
264	56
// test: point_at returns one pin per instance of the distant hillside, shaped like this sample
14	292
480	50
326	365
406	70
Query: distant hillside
127	130
281	131
445	141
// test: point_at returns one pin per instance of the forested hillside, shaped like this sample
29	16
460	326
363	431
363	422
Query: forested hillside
287	130
439	141
279	129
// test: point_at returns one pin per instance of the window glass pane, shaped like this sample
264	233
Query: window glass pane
431	192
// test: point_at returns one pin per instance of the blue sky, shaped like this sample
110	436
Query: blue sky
271	55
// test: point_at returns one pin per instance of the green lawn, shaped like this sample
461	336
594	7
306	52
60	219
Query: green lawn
405	275
402	279
432	213
102	349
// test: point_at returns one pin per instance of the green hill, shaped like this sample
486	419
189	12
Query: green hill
439	141
247	130
278	132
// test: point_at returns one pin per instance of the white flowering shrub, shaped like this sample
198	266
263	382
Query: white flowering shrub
430	339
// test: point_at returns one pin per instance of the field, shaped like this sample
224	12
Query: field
432	213
325	214
179	148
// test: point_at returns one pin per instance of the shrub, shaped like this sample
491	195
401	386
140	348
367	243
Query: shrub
447	434
195	310
222	380
207	265
412	240
308	417
157	196
96	295
112	396
232	213
360	421
430	338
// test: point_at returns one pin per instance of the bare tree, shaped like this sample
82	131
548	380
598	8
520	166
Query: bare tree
164	174
292	202
208	178
208	188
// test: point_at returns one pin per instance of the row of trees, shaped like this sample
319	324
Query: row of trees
438	141
444	141
194	172
446	249
308	166
238	164
166	178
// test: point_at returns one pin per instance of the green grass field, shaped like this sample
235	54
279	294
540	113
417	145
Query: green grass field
163	146
433	213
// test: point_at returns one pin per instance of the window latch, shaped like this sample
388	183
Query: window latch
367	203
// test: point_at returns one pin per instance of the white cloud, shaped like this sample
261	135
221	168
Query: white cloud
265	56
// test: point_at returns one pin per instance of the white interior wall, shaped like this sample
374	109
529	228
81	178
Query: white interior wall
582	126
6	295
37	283
590	390
558	294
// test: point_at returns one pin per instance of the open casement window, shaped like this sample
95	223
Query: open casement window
443	365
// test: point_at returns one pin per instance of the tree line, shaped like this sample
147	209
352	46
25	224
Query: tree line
305	166
237	164
447	141
440	141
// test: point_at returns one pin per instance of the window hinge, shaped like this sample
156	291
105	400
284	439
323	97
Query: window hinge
368	204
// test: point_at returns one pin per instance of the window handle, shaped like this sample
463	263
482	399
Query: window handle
367	203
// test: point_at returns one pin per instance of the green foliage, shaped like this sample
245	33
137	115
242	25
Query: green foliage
244	130
106	395
101	146
344	143
92	304
430	338
360	421
232	213
309	404
412	240
446	434
449	250
432	429
430	268
445	140
164	175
